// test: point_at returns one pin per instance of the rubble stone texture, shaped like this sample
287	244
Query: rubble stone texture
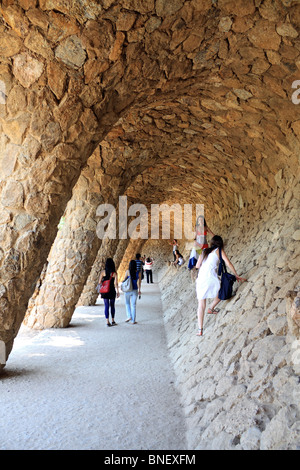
189	101
72	254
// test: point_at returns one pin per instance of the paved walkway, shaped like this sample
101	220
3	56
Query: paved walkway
93	387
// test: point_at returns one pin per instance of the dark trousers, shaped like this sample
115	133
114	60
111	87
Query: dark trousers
149	275
109	303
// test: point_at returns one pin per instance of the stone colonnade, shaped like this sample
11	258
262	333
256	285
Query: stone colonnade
190	100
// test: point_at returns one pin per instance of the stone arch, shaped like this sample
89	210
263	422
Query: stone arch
70	76
65	85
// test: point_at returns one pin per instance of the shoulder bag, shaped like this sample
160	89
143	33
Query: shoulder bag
126	285
227	280
104	287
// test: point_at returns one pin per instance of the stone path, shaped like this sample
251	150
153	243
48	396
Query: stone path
92	387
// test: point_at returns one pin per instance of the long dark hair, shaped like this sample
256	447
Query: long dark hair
178	253
216	242
109	267
132	269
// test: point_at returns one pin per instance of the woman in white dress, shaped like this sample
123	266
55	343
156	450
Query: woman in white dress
208	283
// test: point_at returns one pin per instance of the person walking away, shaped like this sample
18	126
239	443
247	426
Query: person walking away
139	264
110	297
208	282
148	269
131	296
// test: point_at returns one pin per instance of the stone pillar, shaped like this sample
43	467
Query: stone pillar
109	249
73	252
77	244
38	174
134	247
115	249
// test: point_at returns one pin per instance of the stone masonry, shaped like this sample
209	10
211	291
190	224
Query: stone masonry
189	101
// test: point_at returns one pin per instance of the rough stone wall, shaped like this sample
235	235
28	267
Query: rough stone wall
240	382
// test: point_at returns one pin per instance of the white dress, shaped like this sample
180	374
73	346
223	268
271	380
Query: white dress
208	283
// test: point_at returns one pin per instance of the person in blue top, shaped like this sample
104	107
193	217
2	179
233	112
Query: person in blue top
131	296
139	264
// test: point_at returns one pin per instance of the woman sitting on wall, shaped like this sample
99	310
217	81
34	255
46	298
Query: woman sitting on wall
179	260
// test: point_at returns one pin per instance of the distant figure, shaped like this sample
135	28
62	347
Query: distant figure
201	234
148	269
175	244
201	231
110	297
179	260
194	256
208	283
131	296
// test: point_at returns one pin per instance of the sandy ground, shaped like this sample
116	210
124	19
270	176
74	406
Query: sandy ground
90	387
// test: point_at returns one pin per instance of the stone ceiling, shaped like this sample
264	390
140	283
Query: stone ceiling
221	124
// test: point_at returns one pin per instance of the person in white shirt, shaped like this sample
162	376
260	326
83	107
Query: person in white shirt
175	244
148	268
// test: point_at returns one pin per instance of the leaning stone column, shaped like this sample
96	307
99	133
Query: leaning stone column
120	253
109	249
133	247
77	244
72	254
